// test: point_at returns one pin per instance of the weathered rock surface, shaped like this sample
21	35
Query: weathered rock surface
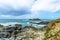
53	30
31	33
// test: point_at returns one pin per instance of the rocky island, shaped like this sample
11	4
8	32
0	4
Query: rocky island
34	19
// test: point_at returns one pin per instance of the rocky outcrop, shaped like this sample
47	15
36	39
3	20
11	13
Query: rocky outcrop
1	27
35	19
7	32
31	33
53	30
42	23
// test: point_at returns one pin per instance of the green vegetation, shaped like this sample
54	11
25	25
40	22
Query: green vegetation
53	30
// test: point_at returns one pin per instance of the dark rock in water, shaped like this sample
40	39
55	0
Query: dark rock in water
10	25
18	27
35	19
31	27
10	31
10	28
42	23
1	25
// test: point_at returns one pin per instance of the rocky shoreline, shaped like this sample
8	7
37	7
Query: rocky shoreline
49	32
18	32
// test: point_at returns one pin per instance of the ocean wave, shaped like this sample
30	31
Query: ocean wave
9	23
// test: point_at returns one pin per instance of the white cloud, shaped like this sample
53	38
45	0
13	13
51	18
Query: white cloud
15	4
46	5
34	7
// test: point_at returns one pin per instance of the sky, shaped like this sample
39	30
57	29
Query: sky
27	9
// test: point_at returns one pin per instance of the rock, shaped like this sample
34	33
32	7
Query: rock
9	28
30	33
18	26
42	23
8	35
10	25
1	27
4	34
35	19
53	30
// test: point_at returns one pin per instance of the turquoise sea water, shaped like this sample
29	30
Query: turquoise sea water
24	22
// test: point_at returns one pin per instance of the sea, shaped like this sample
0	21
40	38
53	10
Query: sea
23	22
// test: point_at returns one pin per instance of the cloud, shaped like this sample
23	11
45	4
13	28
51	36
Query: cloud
45	9
15	12
15	7
15	4
29	8
46	5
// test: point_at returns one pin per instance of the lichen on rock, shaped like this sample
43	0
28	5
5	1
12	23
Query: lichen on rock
30	33
53	30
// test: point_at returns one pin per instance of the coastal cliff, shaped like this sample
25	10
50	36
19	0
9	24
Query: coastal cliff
53	30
